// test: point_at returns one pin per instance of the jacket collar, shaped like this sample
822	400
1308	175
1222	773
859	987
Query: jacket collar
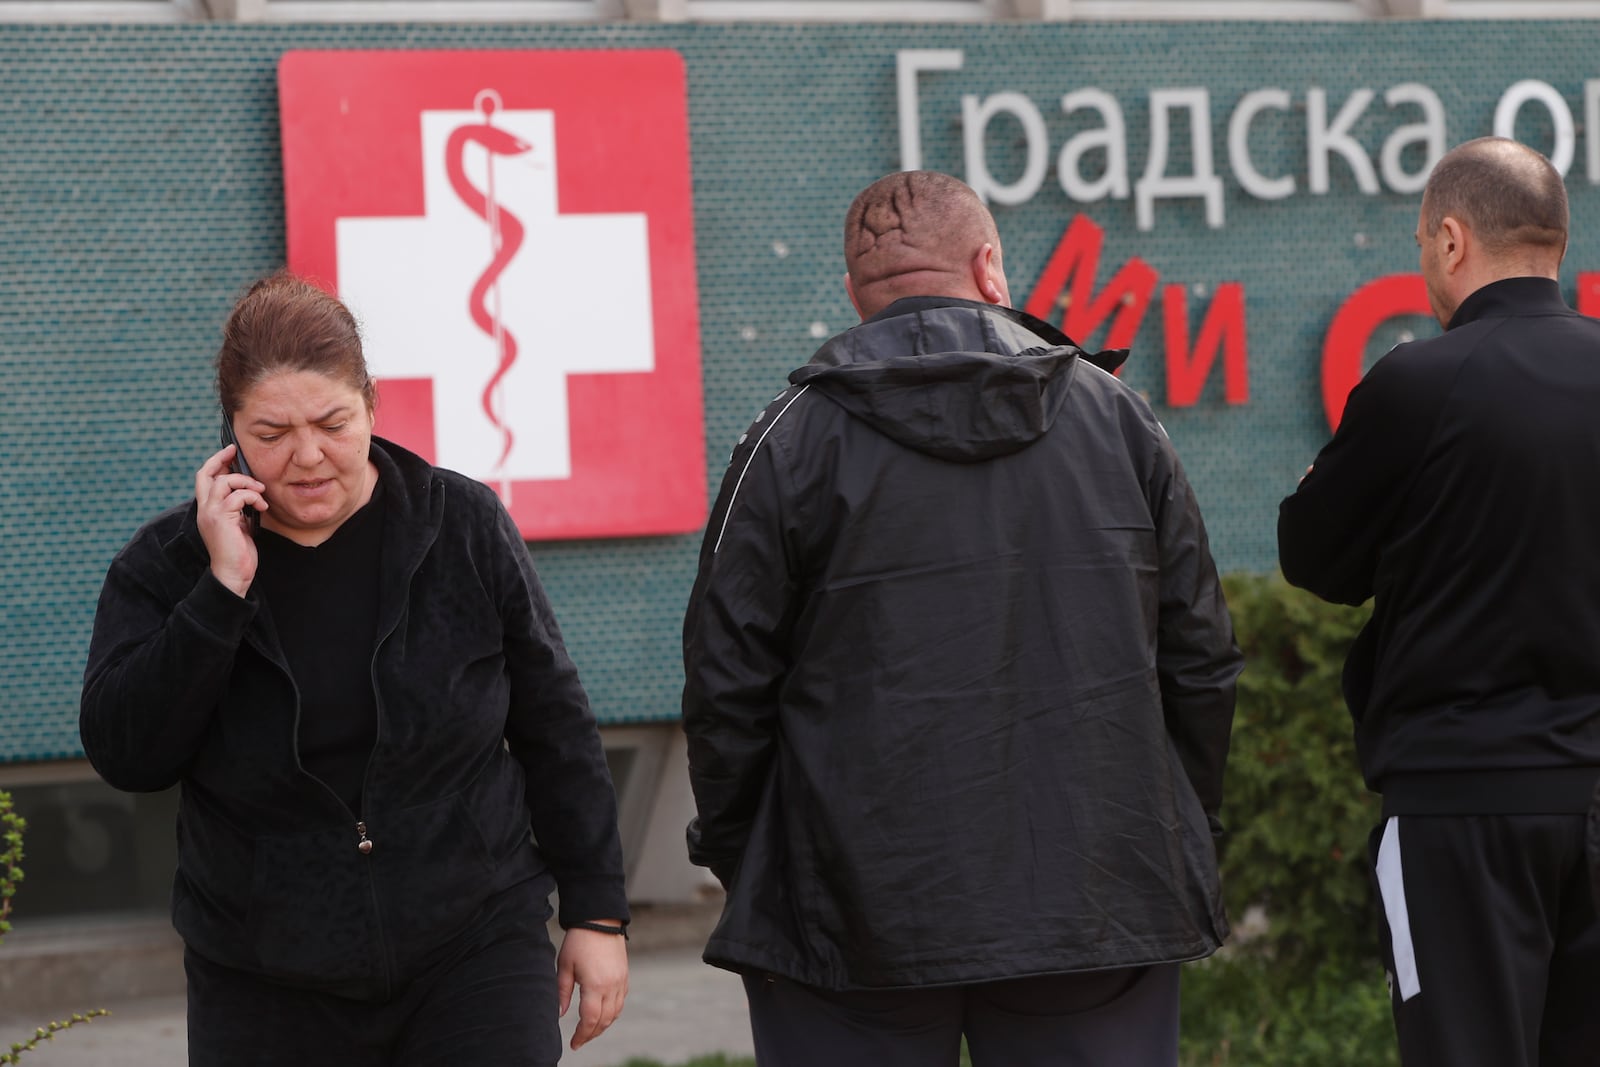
408	478
1508	297
415	511
1108	360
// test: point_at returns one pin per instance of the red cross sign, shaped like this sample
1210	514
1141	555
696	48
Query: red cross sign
513	230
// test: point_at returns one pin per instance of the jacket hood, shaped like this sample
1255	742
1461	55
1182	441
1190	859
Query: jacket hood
956	379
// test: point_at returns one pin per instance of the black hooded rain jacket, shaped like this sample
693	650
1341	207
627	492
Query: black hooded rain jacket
960	677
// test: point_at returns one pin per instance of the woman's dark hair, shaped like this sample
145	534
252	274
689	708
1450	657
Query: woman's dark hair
285	323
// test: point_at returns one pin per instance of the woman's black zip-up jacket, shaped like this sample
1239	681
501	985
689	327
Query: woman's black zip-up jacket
483	729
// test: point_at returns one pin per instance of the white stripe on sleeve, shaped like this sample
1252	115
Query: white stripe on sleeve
753	451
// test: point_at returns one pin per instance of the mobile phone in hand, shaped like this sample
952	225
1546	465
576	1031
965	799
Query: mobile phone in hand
239	465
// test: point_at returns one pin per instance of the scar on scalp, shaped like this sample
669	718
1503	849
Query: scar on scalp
883	220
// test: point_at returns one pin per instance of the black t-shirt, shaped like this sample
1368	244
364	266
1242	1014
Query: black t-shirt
323	601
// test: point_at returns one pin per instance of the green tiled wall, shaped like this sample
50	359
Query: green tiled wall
140	188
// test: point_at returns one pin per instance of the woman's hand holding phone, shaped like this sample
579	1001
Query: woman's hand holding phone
223	496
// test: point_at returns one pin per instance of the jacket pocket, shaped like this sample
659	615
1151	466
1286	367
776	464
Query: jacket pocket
432	871
311	918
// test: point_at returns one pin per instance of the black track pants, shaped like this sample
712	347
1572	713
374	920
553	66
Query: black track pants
1491	940
490	1001
1124	1018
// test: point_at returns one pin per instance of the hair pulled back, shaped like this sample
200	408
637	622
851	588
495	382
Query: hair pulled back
285	323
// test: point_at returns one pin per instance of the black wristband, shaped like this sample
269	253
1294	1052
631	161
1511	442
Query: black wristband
601	928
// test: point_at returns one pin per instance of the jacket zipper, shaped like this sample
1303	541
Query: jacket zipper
364	846
364	843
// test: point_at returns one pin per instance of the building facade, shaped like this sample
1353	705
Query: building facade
1229	189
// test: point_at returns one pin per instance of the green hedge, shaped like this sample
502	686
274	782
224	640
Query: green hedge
1308	989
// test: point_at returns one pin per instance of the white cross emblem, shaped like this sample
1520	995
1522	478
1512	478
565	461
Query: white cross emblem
495	295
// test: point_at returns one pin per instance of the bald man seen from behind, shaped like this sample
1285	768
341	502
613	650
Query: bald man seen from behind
959	682
1461	493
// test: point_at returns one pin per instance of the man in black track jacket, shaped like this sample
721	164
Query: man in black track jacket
960	680
1462	492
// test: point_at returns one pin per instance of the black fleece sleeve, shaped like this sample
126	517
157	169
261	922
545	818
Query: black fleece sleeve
156	672
552	733
1331	528
735	641
1197	661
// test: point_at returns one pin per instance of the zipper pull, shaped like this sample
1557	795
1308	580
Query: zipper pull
365	845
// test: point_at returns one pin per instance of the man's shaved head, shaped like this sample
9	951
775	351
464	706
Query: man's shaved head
1509	195
1492	209
916	233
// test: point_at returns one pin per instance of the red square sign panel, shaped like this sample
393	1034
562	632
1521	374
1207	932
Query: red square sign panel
513	230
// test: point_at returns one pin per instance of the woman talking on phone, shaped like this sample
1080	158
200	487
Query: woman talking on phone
345	658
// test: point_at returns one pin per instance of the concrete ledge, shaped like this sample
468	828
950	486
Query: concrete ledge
659	927
50	969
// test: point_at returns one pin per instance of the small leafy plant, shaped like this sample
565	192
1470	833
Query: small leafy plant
11	827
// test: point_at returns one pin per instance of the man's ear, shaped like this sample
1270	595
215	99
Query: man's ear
987	276
1454	240
850	290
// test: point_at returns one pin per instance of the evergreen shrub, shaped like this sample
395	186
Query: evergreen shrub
1301	983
